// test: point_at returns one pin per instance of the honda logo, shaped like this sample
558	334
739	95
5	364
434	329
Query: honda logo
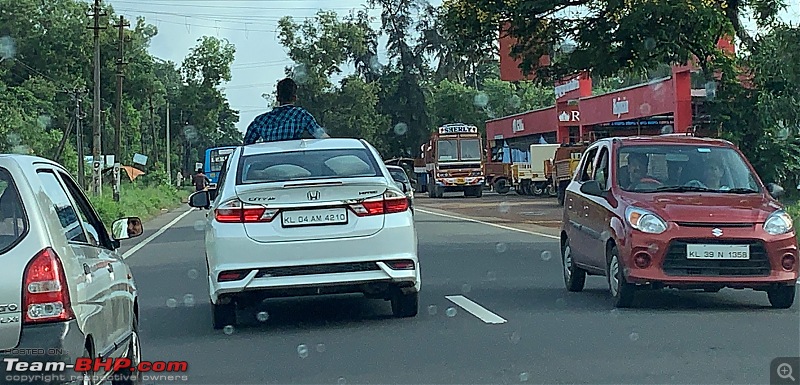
313	195
716	232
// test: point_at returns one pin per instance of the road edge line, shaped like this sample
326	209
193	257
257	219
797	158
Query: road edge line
160	231
489	224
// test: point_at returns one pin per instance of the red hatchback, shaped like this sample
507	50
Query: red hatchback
676	211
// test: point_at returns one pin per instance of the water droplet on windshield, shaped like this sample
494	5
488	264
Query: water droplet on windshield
560	301
546	255
172	302
188	300
481	100
523	376
302	351
44	121
228	330
400	128
504	207
8	48
432	309
374	64
193	274
13	139
667	129
711	90
515	338
653	248
614	313
491	276
515	101
634	336
341	381
451	312
568	48
650	44
300	74
501	247
645	109
466	288
321	348
190	133
199	225
262	316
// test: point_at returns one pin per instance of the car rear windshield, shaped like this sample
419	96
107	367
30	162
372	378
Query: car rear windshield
399	174
304	165
13	222
684	168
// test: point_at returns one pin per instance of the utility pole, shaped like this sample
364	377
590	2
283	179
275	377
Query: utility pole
169	157
118	132
97	178
153	130
76	96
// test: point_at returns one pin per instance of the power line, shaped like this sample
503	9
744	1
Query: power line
225	6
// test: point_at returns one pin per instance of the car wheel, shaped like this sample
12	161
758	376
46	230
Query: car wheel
127	376
87	378
405	305
782	297
622	292
224	315
574	277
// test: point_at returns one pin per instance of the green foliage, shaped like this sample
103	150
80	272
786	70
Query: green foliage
143	202
608	36
52	54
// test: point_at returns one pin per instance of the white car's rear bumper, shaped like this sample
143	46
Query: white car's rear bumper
286	269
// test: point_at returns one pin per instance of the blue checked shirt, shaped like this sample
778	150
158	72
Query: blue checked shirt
287	122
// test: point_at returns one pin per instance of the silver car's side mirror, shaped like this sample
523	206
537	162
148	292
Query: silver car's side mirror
125	228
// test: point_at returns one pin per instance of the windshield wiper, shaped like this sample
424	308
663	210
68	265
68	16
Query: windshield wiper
681	189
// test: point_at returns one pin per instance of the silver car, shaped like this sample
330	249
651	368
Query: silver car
65	292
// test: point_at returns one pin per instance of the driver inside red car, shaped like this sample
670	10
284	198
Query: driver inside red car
636	171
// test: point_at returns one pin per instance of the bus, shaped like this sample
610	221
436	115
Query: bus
215	157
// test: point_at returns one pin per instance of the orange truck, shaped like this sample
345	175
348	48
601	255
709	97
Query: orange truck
453	161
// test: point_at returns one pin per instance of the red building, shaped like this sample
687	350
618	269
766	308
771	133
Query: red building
578	115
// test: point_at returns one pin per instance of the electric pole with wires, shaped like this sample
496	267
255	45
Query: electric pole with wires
97	150
118	132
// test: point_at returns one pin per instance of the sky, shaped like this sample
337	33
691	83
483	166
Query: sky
251	25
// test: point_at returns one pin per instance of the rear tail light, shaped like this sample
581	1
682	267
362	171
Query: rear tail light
232	275
642	260
787	262
236	211
390	202
46	293
405	264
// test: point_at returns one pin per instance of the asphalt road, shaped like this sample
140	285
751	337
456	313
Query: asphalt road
527	329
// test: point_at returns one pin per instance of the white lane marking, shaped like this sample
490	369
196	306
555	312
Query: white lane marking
476	310
157	233
490	224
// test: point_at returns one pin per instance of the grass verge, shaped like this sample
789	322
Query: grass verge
137	201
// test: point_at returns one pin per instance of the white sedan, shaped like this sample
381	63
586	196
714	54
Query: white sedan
308	217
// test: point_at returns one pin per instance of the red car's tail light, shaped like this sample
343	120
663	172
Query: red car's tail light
236	211
388	203
45	294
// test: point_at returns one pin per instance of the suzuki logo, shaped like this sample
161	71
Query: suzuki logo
313	195
716	232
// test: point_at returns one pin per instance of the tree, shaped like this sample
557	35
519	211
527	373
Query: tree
609	35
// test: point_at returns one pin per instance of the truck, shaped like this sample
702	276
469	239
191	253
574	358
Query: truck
531	177
453	161
563	166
